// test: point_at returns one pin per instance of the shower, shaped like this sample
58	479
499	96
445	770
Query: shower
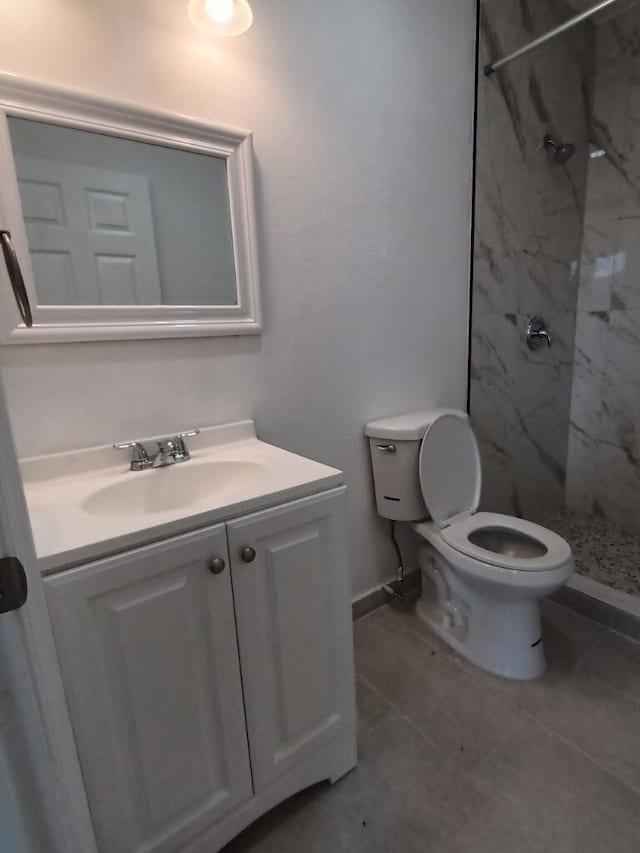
564	151
559	427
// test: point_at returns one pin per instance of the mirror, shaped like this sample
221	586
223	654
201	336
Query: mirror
114	221
118	222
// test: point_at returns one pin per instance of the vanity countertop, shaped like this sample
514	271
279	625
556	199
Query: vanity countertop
87	504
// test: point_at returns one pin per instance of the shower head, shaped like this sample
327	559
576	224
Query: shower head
563	151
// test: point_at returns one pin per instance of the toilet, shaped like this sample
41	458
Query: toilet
482	573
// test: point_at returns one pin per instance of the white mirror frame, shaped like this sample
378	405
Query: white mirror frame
25	98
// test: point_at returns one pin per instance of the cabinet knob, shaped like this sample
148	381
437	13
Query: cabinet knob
217	565
248	554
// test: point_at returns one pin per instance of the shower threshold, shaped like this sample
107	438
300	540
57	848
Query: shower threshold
606	584
606	594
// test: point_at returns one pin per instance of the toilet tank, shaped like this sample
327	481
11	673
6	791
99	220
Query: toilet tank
395	450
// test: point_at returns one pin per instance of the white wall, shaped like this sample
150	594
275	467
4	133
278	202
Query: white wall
362	115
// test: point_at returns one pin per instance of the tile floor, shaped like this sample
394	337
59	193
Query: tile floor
452	760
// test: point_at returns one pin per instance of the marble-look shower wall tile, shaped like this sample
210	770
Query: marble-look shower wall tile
495	263
631	196
617	485
500	492
588	373
529	212
581	472
618	467
608	177
502	222
494	376
586	407
540	446
620	423
547	280
626	280
625	149
493	386
603	467
540	480
599	239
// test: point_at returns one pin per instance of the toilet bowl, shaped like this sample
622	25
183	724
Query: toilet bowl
483	573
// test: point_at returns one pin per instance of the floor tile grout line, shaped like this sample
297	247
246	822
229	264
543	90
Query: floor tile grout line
473	670
467	769
581	656
580	668
401	714
464	771
606	769
503	742
449	655
530	715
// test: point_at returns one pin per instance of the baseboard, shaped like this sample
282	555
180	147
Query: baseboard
371	601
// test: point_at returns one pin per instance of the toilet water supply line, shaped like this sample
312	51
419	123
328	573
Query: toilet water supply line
396	587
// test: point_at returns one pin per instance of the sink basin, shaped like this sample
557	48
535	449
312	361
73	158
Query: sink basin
175	487
86	504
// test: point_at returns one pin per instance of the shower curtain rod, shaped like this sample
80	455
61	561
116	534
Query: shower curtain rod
583	16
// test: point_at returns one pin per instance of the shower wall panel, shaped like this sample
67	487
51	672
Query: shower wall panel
528	233
603	474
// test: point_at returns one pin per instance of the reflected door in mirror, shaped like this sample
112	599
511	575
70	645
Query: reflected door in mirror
113	221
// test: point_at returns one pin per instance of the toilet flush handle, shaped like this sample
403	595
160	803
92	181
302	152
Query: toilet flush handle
387	448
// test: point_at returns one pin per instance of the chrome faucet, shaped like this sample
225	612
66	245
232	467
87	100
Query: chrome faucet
167	451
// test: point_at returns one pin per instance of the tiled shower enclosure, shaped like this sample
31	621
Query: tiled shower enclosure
559	428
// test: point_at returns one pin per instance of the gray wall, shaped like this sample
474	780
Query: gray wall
362	119
529	213
604	447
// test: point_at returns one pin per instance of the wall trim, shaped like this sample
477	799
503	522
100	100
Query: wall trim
377	597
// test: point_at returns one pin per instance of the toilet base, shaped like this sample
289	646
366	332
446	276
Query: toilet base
501	656
497	632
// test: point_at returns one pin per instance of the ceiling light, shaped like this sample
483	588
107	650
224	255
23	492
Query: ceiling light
221	17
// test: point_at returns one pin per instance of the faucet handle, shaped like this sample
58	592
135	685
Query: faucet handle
139	456
537	333
180	452
191	432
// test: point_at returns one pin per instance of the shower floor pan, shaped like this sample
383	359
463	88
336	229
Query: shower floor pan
607	557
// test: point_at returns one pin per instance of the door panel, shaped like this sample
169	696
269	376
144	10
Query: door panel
148	651
95	226
294	629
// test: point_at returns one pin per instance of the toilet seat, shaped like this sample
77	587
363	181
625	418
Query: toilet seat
449	468
458	532
450	478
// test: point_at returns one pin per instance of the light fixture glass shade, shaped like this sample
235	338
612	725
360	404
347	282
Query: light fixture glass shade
221	17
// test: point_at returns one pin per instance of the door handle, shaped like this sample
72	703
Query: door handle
15	276
13	584
247	554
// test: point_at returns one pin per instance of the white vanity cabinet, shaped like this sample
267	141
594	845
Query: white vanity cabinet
202	694
294	630
147	647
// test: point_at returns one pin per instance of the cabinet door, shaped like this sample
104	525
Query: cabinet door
147	646
294	629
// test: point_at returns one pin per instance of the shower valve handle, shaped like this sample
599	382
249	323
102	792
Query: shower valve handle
537	334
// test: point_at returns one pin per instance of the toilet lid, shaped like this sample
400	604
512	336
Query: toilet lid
450	473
